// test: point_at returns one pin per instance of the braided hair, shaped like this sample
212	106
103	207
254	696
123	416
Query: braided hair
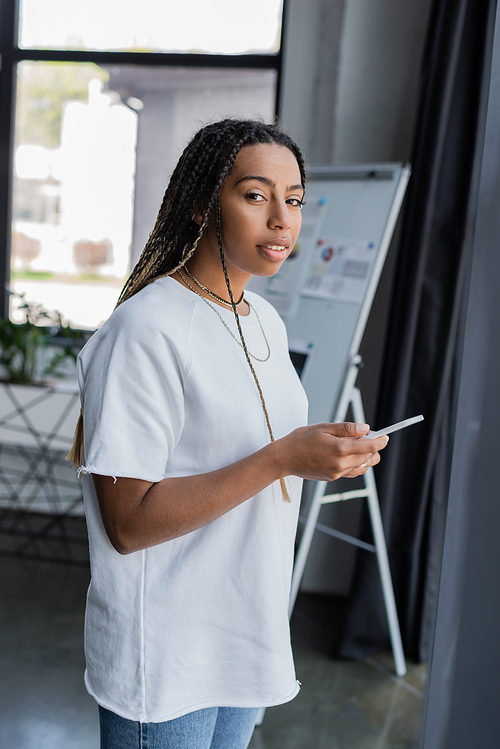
194	188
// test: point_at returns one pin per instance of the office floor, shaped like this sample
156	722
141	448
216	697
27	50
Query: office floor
341	705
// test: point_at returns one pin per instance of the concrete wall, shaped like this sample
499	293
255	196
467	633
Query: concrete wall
350	77
381	49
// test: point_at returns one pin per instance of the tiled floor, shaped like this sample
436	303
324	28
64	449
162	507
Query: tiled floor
44	705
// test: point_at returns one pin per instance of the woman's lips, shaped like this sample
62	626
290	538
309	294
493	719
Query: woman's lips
274	251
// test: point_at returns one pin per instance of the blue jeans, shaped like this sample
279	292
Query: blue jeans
210	728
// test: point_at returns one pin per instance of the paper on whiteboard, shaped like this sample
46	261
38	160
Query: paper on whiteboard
283	289
341	269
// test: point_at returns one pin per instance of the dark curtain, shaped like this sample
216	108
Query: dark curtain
425	332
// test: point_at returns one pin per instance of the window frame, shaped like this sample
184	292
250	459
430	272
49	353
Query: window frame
11	54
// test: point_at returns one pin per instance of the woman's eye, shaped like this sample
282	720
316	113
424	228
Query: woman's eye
295	202
255	197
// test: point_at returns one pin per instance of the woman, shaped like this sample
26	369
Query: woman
194	450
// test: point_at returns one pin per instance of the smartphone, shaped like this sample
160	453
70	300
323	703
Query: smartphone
394	427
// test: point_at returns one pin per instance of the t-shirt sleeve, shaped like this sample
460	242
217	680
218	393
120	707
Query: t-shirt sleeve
131	385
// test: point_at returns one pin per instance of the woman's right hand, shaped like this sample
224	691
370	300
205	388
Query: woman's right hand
327	452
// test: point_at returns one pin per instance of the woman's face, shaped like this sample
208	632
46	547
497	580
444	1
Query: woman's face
260	211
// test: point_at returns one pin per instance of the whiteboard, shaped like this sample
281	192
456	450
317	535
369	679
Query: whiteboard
349	219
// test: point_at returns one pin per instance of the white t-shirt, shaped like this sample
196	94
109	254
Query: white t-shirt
201	620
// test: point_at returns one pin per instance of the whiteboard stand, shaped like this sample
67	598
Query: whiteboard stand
352	396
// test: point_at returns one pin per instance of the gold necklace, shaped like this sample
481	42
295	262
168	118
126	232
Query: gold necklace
212	294
224	322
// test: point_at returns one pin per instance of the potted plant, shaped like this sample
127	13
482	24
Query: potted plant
24	347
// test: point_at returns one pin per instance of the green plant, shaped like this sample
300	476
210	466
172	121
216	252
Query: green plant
23	346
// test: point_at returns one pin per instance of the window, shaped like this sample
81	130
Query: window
97	133
212	26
